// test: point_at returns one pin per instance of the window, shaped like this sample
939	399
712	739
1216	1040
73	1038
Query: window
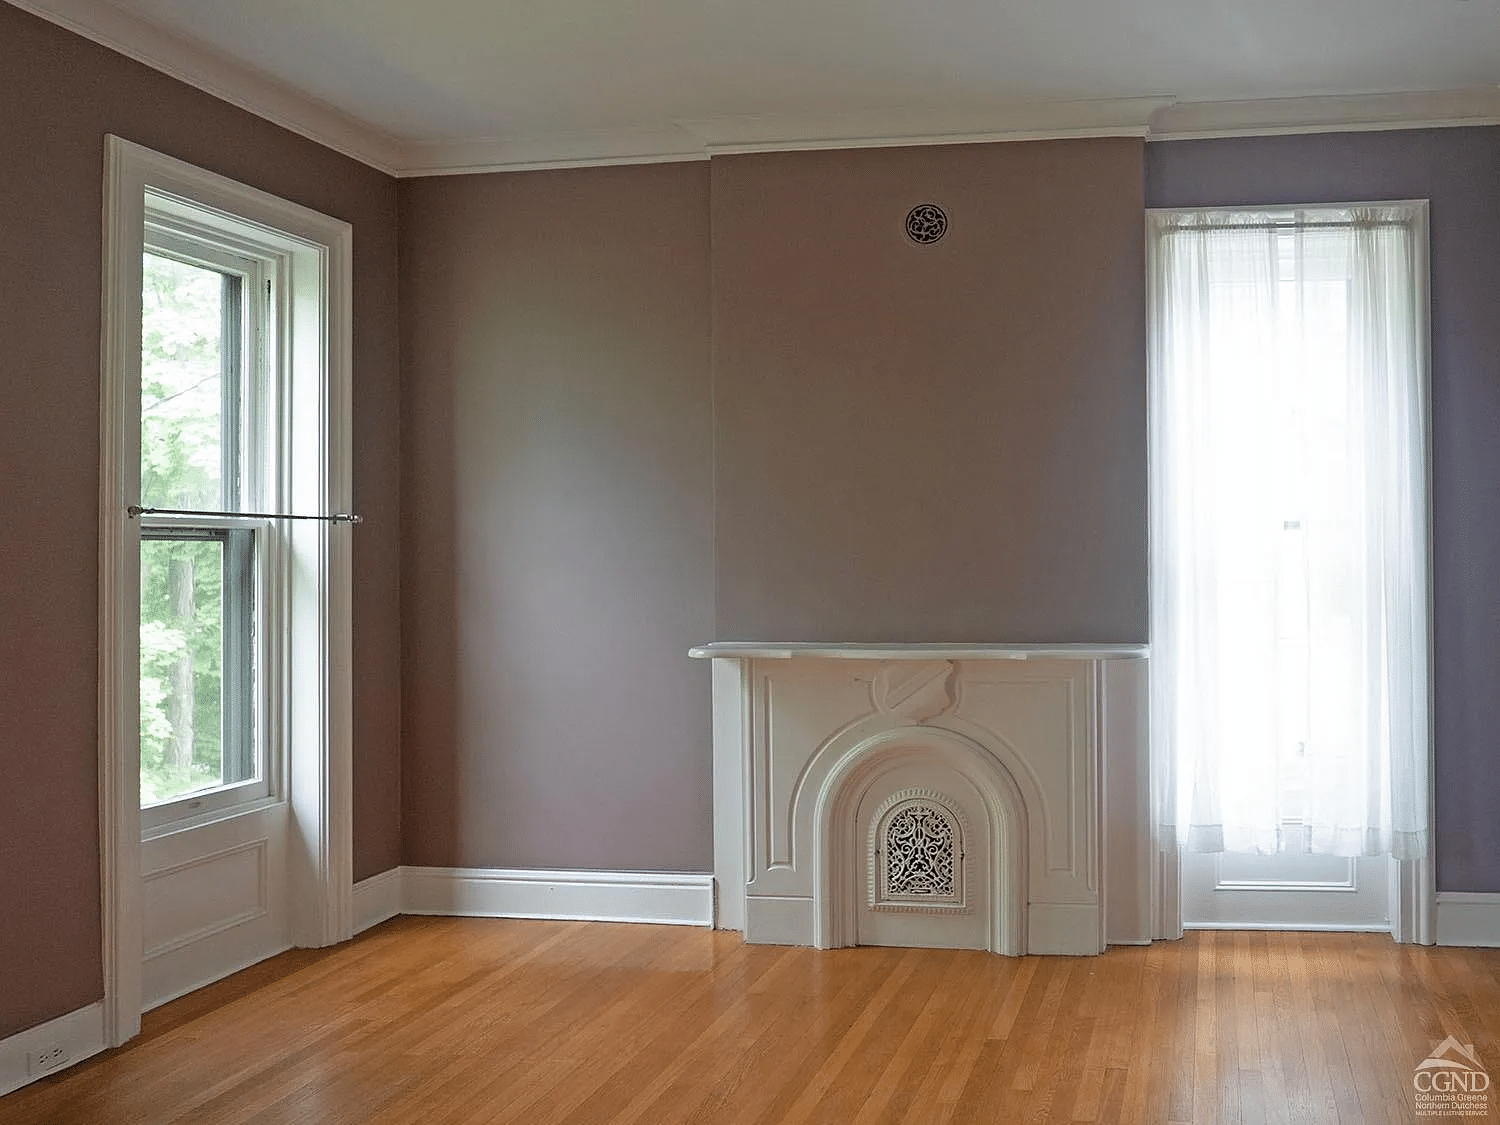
208	596
224	639
1289	586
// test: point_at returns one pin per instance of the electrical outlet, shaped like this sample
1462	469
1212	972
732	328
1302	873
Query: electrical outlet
48	1058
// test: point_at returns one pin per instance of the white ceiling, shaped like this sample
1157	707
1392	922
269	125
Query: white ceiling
424	85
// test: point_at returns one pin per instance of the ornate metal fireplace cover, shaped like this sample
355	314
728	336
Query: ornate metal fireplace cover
916	856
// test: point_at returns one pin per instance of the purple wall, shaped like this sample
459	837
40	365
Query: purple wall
1459	171
61	95
931	443
558	546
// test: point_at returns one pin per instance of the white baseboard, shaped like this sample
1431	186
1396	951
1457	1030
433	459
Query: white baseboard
1468	918
377	899
72	1037
1294	927
593	896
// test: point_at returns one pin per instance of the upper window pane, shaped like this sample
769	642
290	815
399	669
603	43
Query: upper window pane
190	361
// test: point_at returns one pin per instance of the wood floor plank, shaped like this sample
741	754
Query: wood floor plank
450	1021
1275	1104
1208	1078
1322	1105
1147	1058
1182	1028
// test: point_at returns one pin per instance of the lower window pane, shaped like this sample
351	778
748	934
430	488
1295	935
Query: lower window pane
194	716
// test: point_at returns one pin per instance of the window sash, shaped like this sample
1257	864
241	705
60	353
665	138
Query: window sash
253	461
246	764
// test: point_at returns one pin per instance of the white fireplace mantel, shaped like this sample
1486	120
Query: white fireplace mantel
1048	741
763	650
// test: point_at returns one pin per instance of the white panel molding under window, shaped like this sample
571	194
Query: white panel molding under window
320	727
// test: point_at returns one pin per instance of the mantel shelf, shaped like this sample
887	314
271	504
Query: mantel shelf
771	650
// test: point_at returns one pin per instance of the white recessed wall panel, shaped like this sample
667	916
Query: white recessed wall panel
192	900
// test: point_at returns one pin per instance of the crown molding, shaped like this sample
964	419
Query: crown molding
888	128
225	79
664	145
702	138
1152	118
1343	113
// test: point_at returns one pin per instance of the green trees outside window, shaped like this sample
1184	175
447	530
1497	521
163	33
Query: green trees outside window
195	581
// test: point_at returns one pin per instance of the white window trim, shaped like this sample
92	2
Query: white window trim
319	783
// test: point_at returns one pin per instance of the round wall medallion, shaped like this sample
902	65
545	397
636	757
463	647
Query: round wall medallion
926	222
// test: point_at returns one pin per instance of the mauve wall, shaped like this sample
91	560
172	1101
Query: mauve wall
931	443
62	94
1459	171
557	528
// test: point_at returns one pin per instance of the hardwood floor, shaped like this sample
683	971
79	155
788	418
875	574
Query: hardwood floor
448	1020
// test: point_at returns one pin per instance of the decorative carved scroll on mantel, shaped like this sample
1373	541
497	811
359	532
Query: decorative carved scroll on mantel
916	690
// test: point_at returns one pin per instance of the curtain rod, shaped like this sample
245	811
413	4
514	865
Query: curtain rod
1287	224
339	517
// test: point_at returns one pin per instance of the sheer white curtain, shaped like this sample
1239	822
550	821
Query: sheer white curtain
1289	623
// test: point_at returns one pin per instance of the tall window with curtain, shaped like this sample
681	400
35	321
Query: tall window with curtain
1289	566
